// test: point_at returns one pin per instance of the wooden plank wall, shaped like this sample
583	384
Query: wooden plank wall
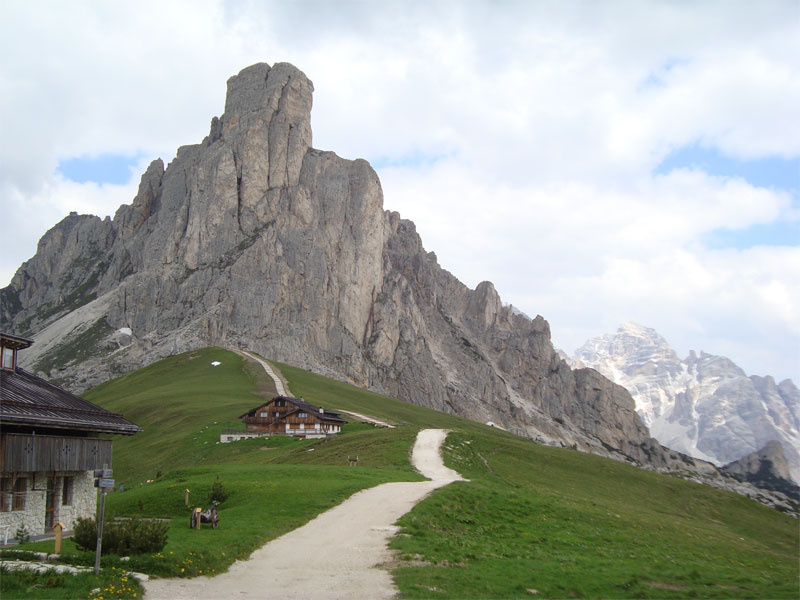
20	453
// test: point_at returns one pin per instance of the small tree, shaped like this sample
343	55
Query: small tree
218	492
22	534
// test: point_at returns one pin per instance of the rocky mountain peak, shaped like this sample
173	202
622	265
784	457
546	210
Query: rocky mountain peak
255	239
705	405
632	345
268	111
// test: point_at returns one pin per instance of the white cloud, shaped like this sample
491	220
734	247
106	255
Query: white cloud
523	134
26	217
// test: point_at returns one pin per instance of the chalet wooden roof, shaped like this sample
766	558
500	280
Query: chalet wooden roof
26	399
14	341
324	414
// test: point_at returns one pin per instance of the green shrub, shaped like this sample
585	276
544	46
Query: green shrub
218	492
123	537
22	534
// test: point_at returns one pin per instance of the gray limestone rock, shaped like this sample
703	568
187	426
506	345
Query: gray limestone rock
705	405
255	239
766	468
770	459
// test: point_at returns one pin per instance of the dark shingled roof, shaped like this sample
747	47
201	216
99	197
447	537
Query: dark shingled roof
26	399
327	415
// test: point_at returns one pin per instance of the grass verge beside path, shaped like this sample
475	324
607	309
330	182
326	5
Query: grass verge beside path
111	583
275	484
265	502
557	524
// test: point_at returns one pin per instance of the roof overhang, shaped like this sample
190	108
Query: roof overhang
14	341
67	423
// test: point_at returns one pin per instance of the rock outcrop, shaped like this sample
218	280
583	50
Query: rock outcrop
255	239
705	405
766	468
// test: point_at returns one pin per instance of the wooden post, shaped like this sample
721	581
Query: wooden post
197	512
100	532
186	496
58	527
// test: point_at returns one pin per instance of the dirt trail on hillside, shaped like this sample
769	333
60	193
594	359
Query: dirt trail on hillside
279	386
336	555
366	418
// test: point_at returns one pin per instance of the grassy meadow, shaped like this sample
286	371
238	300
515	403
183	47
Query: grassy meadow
533	521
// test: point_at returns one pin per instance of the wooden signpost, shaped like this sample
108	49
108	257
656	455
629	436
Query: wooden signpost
58	529
103	482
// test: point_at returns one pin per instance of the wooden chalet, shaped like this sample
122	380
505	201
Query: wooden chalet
292	416
49	447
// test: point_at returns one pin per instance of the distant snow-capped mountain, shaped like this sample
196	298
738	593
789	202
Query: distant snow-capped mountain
704	406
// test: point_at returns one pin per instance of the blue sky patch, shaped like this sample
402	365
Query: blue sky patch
770	172
104	168
779	233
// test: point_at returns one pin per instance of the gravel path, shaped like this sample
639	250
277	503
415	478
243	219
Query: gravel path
366	418
336	555
268	368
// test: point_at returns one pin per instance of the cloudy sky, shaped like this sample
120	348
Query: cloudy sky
600	162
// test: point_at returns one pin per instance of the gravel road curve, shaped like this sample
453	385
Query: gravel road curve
336	555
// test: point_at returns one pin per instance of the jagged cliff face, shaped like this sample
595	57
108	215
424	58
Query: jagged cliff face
253	238
705	405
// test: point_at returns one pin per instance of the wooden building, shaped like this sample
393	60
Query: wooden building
292	416
50	445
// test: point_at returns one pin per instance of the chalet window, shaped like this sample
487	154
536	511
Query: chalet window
264	415
302	415
280	402
20	494
67	490
13	498
277	414
8	358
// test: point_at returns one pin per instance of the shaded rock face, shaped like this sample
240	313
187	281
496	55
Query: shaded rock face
705	405
766	468
255	239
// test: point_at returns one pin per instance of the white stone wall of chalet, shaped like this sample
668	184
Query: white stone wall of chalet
83	503
32	515
84	500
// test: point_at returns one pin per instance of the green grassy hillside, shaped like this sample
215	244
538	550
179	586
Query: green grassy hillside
533	520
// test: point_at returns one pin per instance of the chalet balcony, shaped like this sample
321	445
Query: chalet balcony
22	453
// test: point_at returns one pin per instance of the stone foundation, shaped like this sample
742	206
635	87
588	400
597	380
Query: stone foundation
81	502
